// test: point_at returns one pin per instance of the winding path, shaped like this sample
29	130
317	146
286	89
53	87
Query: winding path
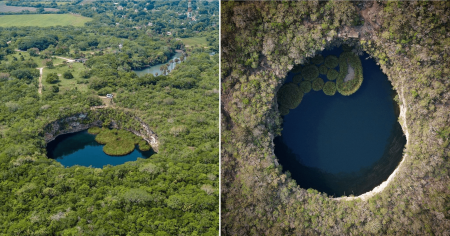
42	69
40	80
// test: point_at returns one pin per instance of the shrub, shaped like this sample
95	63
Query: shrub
52	78
323	69
55	88
104	91
144	146
289	95
297	78
332	74
318	59
310	72
351	86
329	88
305	86
94	130
331	61
317	84
67	75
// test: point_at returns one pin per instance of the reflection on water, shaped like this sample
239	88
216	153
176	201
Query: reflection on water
81	149
156	68
343	144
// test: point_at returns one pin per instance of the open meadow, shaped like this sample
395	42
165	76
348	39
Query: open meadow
43	20
192	41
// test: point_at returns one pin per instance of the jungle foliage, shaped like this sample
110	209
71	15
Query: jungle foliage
175	192
409	40
329	88
290	95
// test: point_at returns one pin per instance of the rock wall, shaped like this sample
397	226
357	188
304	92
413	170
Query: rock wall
80	122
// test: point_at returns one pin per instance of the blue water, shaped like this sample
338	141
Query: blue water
343	138
155	69
81	149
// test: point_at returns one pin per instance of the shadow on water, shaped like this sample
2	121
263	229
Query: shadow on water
80	148
343	145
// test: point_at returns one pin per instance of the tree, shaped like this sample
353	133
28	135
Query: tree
67	75
55	88
52	78
49	64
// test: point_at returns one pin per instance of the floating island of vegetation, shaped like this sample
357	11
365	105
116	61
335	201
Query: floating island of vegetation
118	142
348	78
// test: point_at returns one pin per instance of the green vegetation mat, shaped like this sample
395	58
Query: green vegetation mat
332	74
94	130
310	72
323	69
317	84
297	78
331	61
290	95
349	87
329	88
305	86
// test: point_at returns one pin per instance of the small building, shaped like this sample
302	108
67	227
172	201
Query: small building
81	60
109	95
169	33
120	46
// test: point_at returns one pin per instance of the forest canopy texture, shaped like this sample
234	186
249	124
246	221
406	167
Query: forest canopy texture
176	190
262	42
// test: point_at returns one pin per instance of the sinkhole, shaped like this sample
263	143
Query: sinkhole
334	143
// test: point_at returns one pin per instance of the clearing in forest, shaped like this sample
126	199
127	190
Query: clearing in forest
43	20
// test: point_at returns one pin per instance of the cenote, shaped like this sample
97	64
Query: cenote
343	145
80	148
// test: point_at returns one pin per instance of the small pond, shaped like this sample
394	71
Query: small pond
343	145
155	69
81	149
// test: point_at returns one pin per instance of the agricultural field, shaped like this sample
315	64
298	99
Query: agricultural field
4	8
43	20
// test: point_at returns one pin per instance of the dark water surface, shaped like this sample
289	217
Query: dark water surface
81	149
343	144
155	69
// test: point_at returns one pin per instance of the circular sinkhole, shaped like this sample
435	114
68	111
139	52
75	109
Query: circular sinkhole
81	148
340	145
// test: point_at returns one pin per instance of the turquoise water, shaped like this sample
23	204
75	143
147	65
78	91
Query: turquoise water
81	149
343	144
155	69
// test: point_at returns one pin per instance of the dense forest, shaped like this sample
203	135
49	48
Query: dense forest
165	15
261	43
174	192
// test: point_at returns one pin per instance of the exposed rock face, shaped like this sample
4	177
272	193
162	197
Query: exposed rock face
80	122
67	125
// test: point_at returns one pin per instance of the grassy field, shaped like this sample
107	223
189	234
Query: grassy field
43	20
4	8
65	84
200	41
40	62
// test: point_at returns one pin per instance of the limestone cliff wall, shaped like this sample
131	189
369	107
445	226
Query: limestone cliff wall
80	122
